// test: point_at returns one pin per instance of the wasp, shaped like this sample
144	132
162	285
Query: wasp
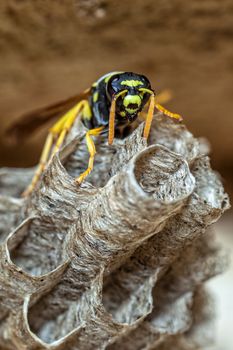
114	101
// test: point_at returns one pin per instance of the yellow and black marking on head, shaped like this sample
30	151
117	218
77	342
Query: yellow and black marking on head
130	103
119	81
125	91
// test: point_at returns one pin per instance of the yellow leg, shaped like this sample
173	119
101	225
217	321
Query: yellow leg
168	113
66	124
41	166
163	97
92	152
57	132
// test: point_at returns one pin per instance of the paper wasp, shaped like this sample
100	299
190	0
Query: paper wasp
113	101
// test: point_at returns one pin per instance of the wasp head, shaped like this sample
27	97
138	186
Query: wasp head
131	92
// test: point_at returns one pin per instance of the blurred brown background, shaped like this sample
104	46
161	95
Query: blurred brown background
53	49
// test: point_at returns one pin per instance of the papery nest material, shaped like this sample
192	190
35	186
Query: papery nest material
120	262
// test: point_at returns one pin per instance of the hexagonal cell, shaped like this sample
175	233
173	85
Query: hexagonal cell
127	292
10	209
36	247
51	322
163	174
64	310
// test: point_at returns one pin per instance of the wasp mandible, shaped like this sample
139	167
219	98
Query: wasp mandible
114	101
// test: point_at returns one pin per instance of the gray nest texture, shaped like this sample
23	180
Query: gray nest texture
119	262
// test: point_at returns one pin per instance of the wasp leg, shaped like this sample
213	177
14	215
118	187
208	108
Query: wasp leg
163	97
92	152
69	119
58	131
41	166
150	114
53	134
168	113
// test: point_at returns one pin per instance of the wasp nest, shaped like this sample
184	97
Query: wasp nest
120	262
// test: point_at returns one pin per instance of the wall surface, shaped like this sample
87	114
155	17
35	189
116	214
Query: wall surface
53	49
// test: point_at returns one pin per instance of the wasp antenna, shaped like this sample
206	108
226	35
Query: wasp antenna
111	129
150	115
151	92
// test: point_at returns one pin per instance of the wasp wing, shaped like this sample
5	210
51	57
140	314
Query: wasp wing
29	122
